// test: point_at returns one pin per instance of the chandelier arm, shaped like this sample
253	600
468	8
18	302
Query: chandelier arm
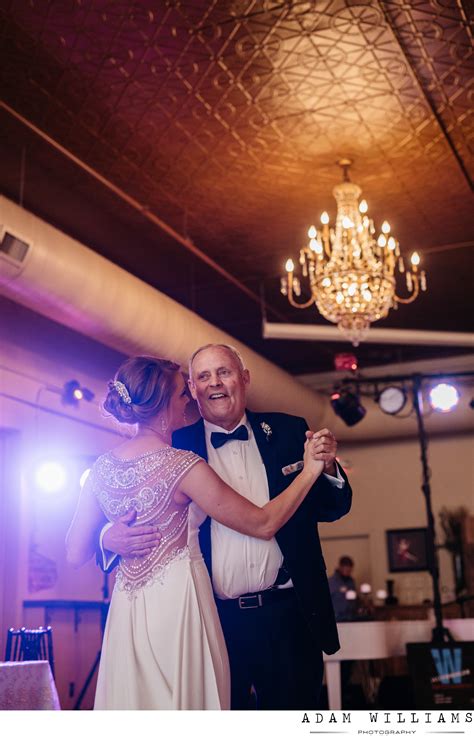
304	305
416	291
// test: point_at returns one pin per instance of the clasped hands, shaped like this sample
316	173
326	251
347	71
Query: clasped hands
126	540
324	448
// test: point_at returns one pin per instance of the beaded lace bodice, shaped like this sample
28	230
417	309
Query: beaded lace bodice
146	483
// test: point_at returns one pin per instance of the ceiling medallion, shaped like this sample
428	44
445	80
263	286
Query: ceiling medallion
351	271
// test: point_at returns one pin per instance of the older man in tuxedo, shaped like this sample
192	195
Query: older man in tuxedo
272	596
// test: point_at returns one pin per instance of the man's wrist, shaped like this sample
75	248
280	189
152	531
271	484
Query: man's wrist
331	469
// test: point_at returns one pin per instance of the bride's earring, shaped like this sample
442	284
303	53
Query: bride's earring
163	425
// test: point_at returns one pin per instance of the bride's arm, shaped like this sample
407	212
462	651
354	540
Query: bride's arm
217	499
81	539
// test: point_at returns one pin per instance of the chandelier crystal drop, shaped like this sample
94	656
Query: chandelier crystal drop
351	269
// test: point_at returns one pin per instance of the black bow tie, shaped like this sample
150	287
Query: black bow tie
220	438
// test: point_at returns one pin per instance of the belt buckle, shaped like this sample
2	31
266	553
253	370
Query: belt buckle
250	601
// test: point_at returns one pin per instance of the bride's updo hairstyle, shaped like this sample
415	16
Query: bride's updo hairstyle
142	387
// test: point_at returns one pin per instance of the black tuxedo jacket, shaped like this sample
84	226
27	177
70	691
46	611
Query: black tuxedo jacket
298	538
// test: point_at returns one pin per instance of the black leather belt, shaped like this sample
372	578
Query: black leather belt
257	600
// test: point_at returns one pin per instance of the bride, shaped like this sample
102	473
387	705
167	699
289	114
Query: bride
163	646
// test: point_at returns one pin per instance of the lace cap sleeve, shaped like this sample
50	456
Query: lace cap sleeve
183	461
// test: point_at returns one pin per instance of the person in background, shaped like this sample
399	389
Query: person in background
340	583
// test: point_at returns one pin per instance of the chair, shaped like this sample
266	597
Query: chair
29	645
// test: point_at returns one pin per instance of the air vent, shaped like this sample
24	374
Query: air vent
14	247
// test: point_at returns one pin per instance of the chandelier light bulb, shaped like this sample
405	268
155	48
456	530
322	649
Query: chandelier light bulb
382	241
347	222
339	297
367	296
313	244
326	281
352	289
385	227
290	266
325	218
363	207
415	259
392	243
312	232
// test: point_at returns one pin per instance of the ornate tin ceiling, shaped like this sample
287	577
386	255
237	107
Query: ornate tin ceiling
225	120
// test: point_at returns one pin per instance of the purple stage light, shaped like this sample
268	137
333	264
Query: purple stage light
50	476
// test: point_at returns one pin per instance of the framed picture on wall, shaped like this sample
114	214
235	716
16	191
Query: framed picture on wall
407	550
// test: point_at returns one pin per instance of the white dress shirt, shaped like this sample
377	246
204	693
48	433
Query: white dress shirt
242	564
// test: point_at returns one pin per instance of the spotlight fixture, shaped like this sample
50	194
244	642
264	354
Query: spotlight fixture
392	399
73	393
348	407
443	397
345	362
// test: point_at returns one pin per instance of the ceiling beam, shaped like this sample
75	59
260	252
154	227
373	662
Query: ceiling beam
376	335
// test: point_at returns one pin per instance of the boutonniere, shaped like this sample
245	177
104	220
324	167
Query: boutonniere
267	430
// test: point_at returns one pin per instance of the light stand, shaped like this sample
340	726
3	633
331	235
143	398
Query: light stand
440	634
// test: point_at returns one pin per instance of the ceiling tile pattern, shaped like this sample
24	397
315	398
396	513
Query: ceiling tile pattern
227	117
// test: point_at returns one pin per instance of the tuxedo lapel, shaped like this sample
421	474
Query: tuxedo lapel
198	439
266	443
197	442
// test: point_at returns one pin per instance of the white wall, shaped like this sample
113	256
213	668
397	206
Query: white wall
386	478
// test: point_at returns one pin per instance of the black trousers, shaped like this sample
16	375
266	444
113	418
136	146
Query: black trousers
274	662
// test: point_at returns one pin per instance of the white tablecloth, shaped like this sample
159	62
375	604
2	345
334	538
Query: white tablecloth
27	686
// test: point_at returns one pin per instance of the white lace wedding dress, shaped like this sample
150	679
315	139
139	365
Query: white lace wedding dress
163	645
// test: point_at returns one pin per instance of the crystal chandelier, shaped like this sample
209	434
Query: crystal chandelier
351	270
